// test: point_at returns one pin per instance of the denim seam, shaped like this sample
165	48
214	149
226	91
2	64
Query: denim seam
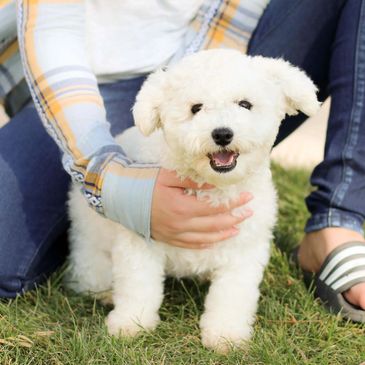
24	269
355	120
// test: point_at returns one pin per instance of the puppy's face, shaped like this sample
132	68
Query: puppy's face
220	111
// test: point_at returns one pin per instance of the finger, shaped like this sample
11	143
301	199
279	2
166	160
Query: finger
200	208
196	240
215	223
191	246
182	244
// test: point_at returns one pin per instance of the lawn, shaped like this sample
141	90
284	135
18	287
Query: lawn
53	326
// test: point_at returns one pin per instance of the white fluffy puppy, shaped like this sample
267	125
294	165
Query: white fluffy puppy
212	117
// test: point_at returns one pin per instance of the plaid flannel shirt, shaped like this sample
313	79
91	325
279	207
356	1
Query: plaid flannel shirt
42	41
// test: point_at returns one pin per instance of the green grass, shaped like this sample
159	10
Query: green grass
53	326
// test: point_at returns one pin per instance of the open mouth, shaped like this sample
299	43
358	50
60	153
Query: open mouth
223	161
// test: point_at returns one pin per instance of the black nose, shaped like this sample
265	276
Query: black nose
222	136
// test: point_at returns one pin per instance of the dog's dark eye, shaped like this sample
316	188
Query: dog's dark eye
196	107
245	104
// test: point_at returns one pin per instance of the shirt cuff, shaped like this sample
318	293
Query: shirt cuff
122	193
126	196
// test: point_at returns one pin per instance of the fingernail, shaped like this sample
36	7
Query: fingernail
247	213
234	231
246	195
243	214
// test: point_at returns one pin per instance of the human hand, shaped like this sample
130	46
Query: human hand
182	220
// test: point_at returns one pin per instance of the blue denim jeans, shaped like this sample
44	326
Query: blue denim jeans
33	216
325	38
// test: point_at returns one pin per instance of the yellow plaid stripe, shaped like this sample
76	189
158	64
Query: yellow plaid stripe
9	52
54	112
4	3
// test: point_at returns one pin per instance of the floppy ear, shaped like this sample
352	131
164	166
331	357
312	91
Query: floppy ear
146	111
299	90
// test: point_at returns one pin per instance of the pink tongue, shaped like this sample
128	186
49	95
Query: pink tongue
223	158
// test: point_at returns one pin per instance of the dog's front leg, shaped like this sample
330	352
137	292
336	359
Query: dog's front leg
230	306
138	275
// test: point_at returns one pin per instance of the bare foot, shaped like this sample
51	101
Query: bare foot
316	246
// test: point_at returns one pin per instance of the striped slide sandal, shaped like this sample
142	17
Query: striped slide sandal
343	268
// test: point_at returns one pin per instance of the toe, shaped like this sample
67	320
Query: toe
356	295
317	245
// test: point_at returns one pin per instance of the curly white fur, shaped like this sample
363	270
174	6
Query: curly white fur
105	255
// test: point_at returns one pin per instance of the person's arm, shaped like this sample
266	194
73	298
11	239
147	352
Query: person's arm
65	92
7	23
10	71
64	89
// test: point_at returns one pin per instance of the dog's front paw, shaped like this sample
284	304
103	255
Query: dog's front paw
224	337
224	341
123	325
